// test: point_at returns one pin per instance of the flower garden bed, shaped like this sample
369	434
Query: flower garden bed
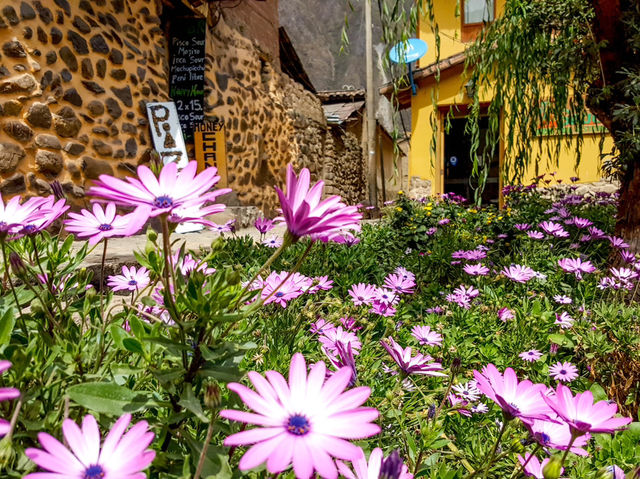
444	341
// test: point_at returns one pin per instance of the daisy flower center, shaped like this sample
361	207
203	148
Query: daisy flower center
105	227
298	425
163	202
29	229
279	294
563	371
132	282
94	472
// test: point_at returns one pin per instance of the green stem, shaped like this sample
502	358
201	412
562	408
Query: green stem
14	419
104	257
444	399
12	287
48	278
494	449
574	436
167	274
205	446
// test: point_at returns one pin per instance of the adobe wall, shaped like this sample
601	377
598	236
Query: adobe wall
74	75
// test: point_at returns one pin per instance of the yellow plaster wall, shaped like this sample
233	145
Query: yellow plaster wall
426	164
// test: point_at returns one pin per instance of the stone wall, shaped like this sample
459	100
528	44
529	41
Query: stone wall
74	77
271	121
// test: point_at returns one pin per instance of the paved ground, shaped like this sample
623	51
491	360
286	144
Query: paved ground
120	250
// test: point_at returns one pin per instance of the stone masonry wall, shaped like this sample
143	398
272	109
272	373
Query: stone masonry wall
74	76
270	119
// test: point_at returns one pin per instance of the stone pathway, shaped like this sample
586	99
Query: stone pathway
120	250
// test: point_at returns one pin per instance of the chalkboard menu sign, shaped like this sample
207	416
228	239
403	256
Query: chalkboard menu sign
186	79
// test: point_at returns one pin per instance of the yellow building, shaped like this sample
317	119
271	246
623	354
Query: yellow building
442	161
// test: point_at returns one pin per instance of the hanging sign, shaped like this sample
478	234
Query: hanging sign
166	133
211	148
186	70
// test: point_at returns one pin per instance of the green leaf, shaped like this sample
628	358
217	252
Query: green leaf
599	394
119	335
7	322
192	403
107	398
133	345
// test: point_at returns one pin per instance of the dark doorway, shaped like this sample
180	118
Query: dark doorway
458	164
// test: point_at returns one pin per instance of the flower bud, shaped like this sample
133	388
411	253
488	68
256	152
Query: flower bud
391	467
212	396
17	265
152	235
553	469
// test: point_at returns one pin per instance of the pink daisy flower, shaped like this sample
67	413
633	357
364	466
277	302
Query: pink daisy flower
522	226
48	211
617	243
13	215
172	190
305	214
537	235
426	336
418	364
476	269
564	320
519	273
405	273
399	284
6	394
304	422
557	435
131	279
320	283
505	314
122	456
332	336
516	398
264	225
292	288
582	414
576	266
101	224
273	242
363	293
562	299
565	372
531	356
377	467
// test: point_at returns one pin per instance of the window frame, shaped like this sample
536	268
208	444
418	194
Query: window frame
469	31
464	24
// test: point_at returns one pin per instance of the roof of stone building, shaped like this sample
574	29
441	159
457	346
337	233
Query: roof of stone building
338	96
338	113
444	66
290	62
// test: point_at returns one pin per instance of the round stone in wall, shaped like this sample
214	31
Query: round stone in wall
66	123
69	58
96	108
18	130
98	44
10	155
49	162
39	115
12	108
14	49
45	140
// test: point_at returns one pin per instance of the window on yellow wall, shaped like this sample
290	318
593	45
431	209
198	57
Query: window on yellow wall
478	11
475	14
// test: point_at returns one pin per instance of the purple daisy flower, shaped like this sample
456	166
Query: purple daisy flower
565	372
100	224
426	336
408	364
131	279
531	355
